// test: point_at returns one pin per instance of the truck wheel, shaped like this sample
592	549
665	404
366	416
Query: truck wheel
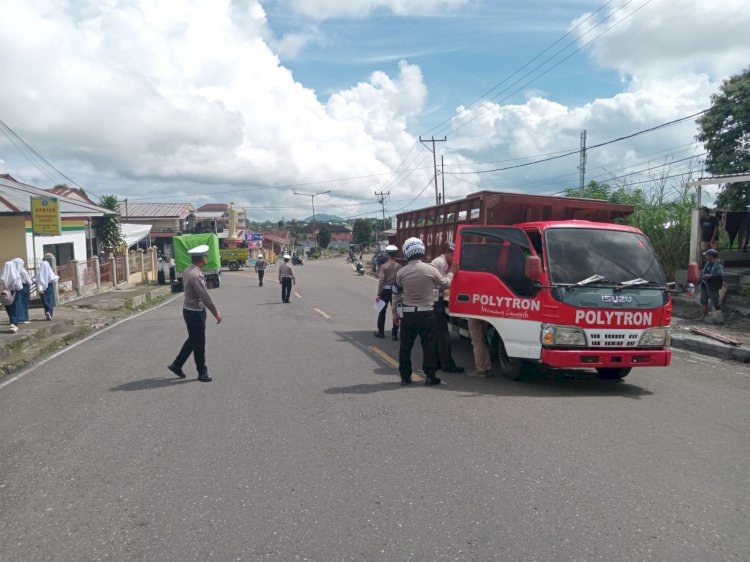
233	266
611	374
510	368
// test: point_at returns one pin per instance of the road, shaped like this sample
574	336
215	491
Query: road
305	447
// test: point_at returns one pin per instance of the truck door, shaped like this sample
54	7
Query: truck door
492	262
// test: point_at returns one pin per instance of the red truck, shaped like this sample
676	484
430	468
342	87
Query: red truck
561	284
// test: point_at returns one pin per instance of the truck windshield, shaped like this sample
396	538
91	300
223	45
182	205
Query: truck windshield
616	256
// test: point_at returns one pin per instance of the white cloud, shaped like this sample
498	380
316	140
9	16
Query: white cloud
329	9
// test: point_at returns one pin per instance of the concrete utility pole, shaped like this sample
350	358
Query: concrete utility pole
433	140
381	198
312	197
582	164
442	175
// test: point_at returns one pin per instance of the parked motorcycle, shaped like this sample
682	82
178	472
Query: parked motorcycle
297	260
360	268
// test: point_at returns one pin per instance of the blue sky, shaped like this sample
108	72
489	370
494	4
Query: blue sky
250	100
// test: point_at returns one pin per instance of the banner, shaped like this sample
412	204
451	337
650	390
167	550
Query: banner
45	216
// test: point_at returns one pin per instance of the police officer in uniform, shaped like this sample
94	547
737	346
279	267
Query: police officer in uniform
415	283
445	361
197	300
260	268
286	278
386	280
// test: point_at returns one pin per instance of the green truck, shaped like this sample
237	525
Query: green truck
182	260
234	258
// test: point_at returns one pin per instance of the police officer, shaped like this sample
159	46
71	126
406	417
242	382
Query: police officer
286	278
386	280
260	268
445	361
415	283
197	300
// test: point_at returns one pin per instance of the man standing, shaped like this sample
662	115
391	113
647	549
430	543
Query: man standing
445	361
286	278
711	282
197	300
260	268
386	280
415	283
709	229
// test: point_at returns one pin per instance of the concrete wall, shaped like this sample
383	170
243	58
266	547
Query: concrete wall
12	238
73	232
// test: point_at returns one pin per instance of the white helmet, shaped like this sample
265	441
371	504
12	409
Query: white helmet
391	249
413	247
287	257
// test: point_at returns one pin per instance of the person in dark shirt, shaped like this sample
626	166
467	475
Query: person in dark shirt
709	229
711	283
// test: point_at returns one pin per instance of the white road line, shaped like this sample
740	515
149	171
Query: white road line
323	314
31	369
296	294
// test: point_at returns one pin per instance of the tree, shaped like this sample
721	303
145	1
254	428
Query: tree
108	231
324	236
725	132
361	232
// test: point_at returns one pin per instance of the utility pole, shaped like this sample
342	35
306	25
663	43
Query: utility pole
582	163
381	198
433	140
442	174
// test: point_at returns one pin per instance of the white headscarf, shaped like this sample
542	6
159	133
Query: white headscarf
11	277
21	266
45	276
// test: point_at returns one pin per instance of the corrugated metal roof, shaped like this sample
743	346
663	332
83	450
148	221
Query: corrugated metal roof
15	198
156	210
213	207
209	214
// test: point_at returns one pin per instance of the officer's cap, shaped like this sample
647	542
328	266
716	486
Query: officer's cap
287	257
201	250
451	246
391	249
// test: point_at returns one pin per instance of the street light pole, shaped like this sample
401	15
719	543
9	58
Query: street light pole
312	197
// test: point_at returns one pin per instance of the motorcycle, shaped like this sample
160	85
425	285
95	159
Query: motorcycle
360	268
297	260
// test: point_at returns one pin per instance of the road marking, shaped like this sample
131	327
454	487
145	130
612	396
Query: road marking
323	314
84	340
391	361
296	294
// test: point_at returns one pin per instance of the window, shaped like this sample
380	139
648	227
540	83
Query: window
499	251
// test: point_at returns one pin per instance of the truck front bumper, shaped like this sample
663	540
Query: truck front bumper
616	359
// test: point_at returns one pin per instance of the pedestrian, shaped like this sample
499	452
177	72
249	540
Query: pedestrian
415	283
709	229
286	278
386	280
482	362
46	280
23	296
171	270
711	283
197	300
445	361
260	268
12	285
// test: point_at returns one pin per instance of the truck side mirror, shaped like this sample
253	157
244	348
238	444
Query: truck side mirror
693	275
533	268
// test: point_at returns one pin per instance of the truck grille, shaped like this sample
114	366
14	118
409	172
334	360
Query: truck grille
619	338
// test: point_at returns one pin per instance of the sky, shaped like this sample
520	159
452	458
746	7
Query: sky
250	101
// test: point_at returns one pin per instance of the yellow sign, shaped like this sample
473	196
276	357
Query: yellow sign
45	216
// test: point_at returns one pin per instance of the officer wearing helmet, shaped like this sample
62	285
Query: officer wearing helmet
386	281
286	278
415	285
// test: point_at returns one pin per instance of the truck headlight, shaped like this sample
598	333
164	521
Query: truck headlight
562	335
655	337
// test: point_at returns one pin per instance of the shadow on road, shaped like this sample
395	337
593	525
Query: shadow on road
148	384
563	384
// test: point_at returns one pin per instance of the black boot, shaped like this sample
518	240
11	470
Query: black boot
431	380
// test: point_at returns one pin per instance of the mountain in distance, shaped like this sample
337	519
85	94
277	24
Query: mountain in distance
322	217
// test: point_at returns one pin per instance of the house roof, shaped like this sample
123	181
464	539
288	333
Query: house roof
209	214
156	210
213	207
15	199
71	192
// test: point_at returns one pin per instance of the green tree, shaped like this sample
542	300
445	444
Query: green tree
108	232
324	236
362	232
725	132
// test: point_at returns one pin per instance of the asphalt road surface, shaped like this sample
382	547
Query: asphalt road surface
305	447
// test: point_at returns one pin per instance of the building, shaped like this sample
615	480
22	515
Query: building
17	239
167	220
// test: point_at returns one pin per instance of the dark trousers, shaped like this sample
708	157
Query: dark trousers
442	338
195	321
11	310
385	296
22	303
286	288
415	324
261	273
48	299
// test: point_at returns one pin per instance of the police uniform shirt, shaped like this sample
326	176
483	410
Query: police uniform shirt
417	280
285	270
387	275
196	293
260	264
441	264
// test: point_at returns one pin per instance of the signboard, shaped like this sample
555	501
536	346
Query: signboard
45	216
254	236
